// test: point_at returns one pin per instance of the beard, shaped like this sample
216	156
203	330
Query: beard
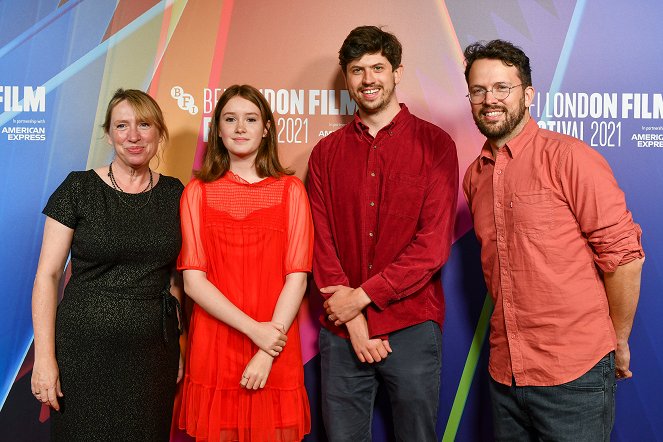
499	131
372	107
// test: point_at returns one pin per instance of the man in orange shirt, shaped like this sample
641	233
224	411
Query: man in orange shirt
561	257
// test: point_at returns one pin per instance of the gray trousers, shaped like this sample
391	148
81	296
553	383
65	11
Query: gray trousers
411	376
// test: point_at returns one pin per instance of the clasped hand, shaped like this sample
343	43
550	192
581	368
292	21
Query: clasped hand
367	349
257	371
345	303
269	336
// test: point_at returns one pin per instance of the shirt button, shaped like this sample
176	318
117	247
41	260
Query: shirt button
372	173
372	203
370	266
501	238
370	234
498	204
375	146
513	336
499	171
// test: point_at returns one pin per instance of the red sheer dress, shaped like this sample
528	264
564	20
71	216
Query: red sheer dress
247	238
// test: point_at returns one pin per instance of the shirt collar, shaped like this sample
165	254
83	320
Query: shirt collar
521	141
513	147
393	125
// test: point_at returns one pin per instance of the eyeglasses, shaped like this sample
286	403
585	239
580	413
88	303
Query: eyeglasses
499	91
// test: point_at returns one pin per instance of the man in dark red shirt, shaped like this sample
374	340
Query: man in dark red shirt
383	193
561	257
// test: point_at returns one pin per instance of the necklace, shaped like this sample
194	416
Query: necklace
117	187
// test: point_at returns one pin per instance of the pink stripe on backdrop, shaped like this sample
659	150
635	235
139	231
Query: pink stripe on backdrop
309	326
161	49
215	72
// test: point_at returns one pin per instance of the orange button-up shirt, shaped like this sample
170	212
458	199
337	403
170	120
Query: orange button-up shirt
550	218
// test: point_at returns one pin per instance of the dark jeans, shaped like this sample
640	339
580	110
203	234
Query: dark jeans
580	410
411	376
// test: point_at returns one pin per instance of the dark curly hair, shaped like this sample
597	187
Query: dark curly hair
370	40
507	52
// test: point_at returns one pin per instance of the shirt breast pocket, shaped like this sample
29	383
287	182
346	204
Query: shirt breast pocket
404	195
532	212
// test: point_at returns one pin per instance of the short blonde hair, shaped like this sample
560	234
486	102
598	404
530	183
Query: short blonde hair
145	107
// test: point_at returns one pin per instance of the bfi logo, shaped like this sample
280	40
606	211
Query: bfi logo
184	101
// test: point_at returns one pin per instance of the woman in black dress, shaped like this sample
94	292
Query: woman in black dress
107	358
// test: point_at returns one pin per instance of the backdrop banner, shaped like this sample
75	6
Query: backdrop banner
596	71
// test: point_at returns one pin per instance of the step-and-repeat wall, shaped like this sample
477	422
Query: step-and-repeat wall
596	70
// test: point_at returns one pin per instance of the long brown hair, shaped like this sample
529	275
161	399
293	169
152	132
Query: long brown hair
217	159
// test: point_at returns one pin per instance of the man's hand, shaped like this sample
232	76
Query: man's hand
622	361
345	303
622	288
366	349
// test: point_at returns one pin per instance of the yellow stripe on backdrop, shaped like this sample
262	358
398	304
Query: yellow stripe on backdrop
186	63
129	64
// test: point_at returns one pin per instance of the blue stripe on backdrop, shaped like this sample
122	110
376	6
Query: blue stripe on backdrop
16	16
29	171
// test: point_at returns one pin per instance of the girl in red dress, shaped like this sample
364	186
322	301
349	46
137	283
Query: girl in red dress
246	248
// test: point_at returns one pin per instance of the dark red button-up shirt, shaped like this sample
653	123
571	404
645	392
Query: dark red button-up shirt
384	210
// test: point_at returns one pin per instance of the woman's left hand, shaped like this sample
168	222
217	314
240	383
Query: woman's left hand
257	371
180	369
45	382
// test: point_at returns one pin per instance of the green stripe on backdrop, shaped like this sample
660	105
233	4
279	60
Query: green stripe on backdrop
468	371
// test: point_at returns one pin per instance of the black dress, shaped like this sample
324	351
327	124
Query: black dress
116	331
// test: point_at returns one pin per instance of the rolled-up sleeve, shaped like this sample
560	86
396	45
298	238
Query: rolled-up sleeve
600	208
